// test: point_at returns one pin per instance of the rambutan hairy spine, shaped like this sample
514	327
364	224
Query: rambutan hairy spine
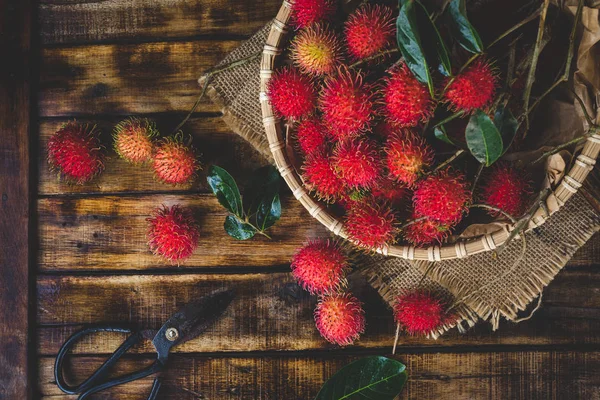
340	318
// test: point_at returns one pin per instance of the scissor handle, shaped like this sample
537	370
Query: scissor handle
96	381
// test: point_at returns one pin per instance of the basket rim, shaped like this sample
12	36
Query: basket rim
568	186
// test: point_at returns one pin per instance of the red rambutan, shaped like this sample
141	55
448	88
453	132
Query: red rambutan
508	189
340	318
319	266
347	104
369	30
423	231
319	176
421	313
406	101
173	233
357	162
442	197
316	50
311	136
407	156
133	139
291	93
370	226
174	162
474	88
384	129
307	12
75	151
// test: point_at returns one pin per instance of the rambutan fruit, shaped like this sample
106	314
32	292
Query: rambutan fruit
474	88
292	94
75	151
421	313
316	50
173	233
347	104
319	266
388	191
311	136
340	318
133	139
384	129
423	231
370	226
369	30
443	197
308	12
319	176
406	101
357	162
508	189
174	162
407	157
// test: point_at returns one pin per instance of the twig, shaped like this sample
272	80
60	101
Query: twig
476	180
448	161
413	221
396	339
534	61
570	54
587	116
373	57
560	147
449	118
488	207
209	74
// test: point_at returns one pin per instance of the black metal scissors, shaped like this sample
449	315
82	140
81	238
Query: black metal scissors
184	325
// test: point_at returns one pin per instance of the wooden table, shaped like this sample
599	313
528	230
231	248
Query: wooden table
98	61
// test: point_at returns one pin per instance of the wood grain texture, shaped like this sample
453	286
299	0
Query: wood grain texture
109	233
77	21
15	45
213	140
271	313
126	79
459	376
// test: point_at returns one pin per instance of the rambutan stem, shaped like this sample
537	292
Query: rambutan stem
208	75
561	147
373	57
396	338
499	210
458	153
412	222
477	176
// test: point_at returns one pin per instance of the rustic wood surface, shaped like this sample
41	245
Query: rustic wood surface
15	98
101	61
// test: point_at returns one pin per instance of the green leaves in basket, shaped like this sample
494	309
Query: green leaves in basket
374	377
483	138
420	42
262	196
461	28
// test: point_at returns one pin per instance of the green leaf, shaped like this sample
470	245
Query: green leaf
440	133
461	28
409	43
483	138
507	126
374	377
238	229
263	196
443	57
224	187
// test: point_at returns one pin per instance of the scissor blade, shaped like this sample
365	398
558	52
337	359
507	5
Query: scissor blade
193	319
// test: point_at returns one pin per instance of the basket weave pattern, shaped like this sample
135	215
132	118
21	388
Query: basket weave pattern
273	49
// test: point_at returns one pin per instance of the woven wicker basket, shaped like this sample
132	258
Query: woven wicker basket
273	49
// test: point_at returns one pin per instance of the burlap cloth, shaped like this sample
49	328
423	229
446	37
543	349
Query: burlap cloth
487	287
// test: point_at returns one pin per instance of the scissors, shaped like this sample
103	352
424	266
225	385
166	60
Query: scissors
184	325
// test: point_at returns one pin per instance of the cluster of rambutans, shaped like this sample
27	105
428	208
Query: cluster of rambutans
360	133
75	151
320	267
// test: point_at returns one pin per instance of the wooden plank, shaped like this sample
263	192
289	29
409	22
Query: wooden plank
213	140
109	233
15	46
126	79
461	376
78	21
270	313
